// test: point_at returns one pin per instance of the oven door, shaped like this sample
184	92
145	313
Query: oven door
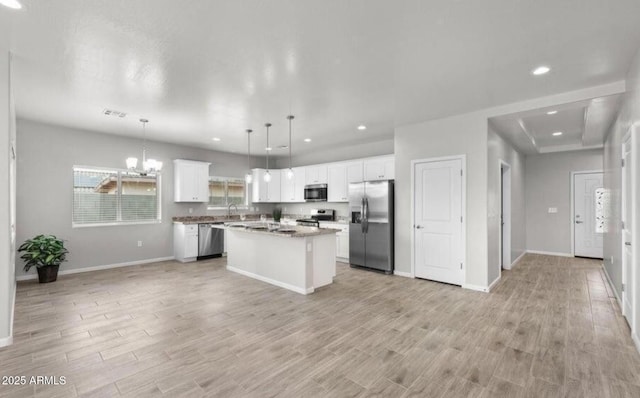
315	193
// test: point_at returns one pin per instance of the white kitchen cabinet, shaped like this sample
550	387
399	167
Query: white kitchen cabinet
185	242
342	239
292	191
191	181
265	192
340	175
380	168
316	174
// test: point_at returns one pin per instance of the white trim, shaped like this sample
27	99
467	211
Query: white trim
271	281
550	253
477	288
615	292
507	238
6	341
403	274
98	267
517	260
572	211
494	283
636	340
463	238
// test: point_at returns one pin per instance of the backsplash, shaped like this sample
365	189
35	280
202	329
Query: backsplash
304	209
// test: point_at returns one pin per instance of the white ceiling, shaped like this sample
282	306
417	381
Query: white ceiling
583	124
212	68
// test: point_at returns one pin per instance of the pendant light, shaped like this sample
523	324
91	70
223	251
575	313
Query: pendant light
148	165
267	175
290	171
248	178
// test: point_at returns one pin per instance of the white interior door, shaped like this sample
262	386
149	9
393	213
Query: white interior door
505	216
627	219
588	234
438	250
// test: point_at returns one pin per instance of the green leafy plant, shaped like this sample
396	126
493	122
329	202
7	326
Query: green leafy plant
43	251
277	214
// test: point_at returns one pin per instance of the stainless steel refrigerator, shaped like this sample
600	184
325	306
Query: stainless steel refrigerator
371	225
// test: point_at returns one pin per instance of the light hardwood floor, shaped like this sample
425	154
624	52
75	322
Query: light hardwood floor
551	328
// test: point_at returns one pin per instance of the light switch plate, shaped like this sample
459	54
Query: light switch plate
553	210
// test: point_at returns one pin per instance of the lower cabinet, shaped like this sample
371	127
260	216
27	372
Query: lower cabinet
342	240
185	242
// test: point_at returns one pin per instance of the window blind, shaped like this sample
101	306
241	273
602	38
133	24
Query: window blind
224	191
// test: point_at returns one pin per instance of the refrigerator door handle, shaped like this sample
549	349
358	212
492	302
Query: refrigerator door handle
362	218
365	215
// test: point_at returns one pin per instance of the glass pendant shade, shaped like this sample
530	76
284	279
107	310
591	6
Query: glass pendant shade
132	163
267	176
289	174
248	178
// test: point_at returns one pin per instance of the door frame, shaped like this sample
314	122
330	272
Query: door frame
623	187
505	207
463	237
572	212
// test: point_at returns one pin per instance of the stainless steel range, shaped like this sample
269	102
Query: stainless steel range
317	215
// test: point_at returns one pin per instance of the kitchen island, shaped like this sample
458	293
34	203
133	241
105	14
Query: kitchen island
300	260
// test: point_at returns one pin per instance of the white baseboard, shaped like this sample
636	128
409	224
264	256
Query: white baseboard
636	340
615	292
98	268
517	260
494	283
550	253
477	288
404	274
271	281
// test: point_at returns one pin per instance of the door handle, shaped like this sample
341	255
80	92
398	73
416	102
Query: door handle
627	243
578	222
419	227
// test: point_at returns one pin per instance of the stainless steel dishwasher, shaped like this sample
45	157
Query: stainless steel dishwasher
210	241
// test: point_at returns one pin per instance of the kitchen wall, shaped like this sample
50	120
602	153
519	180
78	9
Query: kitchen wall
47	155
548	184
459	135
7	189
628	116
501	150
336	154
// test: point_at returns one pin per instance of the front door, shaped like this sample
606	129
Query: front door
627	259
438	250
588	232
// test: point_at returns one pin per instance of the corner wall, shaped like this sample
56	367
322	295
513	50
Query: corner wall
501	150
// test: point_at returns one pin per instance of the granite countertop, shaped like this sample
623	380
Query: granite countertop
213	219
300	231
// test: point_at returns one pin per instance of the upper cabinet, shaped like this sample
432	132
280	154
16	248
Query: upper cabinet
292	190
380	168
265	192
191	181
340	175
316	174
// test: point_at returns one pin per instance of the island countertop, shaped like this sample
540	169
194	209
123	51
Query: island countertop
300	231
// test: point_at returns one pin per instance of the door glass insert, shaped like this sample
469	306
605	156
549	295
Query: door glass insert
599	209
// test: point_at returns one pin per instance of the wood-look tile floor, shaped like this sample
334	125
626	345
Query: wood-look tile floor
551	328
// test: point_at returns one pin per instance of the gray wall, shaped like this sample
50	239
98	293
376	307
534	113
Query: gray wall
47	155
548	184
343	152
499	149
628	115
7	277
459	135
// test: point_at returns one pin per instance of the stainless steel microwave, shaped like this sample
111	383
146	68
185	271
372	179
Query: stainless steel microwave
315	193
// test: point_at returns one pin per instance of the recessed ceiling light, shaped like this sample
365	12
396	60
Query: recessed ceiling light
557	133
11	4
541	70
362	127
216	139
552	112
307	140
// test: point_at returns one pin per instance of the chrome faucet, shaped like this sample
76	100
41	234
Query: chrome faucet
229	209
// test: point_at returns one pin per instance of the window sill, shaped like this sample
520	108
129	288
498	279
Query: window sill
115	224
226	207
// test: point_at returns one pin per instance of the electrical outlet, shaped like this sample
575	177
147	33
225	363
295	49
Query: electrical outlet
611	261
139	243
553	210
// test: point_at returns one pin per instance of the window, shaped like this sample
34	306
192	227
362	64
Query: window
224	191
111	196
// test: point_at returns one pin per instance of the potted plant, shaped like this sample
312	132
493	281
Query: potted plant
277	214
46	252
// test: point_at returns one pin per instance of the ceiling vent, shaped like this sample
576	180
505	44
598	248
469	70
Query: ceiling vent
111	112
